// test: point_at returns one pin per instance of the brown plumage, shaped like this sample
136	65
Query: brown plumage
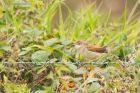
93	48
90	52
98	49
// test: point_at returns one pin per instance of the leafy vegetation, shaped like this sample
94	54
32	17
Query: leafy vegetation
27	35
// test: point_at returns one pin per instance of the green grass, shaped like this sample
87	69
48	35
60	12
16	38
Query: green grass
27	35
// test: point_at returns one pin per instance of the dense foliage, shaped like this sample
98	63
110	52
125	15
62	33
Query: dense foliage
27	35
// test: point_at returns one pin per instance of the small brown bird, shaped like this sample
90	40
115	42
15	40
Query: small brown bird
90	52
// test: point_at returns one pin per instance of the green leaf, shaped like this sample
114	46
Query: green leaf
65	42
137	60
4	46
41	70
94	88
48	89
51	42
40	56
80	71
46	48
59	68
72	67
51	75
25	51
58	46
32	34
2	68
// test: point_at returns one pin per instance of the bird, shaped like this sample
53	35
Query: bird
89	52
